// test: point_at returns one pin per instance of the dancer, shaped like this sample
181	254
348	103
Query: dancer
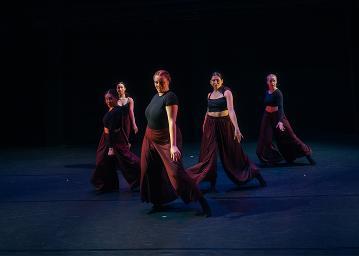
113	150
274	123
127	105
221	133
163	177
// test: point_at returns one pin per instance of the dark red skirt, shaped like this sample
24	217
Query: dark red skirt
163	179
105	178
289	146
219	135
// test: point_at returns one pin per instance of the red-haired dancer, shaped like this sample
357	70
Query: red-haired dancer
163	177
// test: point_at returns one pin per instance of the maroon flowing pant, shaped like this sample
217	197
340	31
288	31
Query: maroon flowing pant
289	145
105	178
163	179
219	135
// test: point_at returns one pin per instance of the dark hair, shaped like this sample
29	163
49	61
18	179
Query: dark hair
223	88
121	82
164	73
217	74
113	93
124	84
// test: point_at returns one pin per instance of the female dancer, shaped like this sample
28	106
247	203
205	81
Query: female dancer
113	150
274	122
163	177
127	105
221	133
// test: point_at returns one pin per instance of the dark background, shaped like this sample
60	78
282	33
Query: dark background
60	57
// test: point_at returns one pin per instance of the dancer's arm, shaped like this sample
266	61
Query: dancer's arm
279	101
232	115
172	116
132	115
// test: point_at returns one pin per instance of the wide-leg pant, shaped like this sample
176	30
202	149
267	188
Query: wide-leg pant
163	179
104	177
218	135
289	146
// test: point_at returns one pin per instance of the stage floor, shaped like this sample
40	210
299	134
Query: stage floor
48	207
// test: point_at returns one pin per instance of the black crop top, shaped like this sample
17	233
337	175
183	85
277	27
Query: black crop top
156	114
112	121
217	105
275	99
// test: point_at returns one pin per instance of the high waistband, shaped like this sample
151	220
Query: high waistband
218	118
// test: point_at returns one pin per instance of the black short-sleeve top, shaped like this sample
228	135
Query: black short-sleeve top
156	114
112	121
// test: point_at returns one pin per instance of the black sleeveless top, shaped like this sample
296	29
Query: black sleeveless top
220	104
125	108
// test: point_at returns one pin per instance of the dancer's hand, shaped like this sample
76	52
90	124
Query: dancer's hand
175	153
111	152
135	129
238	135
280	125
203	125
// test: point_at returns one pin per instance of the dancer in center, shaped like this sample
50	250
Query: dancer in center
163	177
221	133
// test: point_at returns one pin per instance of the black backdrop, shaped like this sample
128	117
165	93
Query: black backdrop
61	56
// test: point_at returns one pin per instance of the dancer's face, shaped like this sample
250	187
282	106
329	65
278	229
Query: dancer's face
161	83
216	82
272	82
121	89
110	100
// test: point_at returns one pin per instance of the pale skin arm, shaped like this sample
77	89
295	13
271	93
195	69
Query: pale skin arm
232	115
204	121
205	117
172	117
132	115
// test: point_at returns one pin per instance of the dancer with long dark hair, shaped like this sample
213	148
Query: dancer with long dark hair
221	133
126	103
113	151
275	124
